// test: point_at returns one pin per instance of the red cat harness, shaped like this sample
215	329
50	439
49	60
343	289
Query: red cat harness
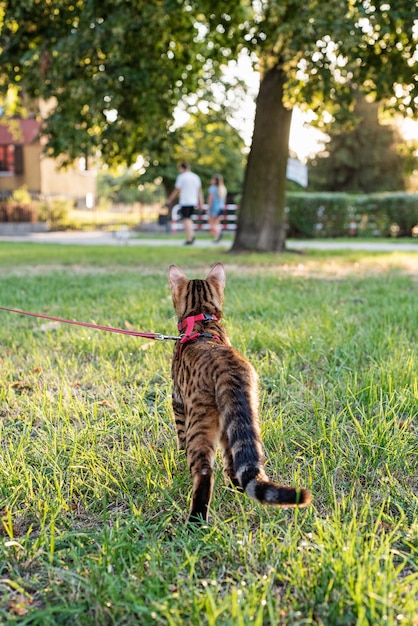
188	324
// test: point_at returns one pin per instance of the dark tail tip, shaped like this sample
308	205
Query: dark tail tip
267	492
303	497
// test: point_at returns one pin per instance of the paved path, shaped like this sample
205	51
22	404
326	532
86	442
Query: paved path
122	238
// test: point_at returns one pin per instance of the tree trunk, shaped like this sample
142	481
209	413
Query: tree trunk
261	216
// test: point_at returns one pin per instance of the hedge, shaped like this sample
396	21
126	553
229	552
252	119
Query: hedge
15	212
308	214
54	211
342	214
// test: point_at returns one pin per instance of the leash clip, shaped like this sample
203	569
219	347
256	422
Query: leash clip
160	337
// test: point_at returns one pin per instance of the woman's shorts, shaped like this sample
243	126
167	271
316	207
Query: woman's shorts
216	211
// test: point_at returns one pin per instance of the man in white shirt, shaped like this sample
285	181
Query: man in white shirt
188	187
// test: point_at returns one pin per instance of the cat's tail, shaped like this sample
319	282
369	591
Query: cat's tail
265	491
241	439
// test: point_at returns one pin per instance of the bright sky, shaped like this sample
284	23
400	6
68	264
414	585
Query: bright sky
409	129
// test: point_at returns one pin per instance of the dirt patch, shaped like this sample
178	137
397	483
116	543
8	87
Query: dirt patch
302	267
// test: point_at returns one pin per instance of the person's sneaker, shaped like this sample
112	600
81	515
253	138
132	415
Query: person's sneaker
189	243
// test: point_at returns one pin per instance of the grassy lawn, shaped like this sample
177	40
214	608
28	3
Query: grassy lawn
93	492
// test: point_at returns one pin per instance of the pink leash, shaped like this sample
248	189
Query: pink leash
134	333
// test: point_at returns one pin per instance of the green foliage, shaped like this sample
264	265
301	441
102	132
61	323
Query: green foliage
363	159
325	51
21	195
55	211
11	211
114	70
19	207
332	214
93	490
390	209
123	187
320	214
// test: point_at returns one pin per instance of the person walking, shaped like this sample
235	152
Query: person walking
216	204
188	187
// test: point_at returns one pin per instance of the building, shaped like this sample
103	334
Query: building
23	165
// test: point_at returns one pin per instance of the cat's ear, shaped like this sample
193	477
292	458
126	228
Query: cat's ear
217	274
176	277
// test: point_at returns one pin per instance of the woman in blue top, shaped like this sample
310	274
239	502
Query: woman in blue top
216	204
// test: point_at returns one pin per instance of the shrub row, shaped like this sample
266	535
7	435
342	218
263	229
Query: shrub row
308	214
54	211
15	212
341	214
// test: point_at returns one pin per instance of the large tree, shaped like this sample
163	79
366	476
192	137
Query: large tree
116	70
315	53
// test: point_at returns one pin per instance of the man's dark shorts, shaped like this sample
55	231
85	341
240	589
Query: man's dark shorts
186	211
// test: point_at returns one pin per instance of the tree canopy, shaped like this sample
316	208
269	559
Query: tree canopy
115	71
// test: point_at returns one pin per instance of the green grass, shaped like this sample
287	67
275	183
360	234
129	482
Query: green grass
93	492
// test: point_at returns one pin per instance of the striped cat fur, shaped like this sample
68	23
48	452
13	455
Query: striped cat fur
215	401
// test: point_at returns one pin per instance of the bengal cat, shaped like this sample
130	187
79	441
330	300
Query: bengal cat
215	399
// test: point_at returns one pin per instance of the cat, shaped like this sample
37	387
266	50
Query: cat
215	399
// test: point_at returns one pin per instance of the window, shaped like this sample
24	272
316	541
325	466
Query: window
11	159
